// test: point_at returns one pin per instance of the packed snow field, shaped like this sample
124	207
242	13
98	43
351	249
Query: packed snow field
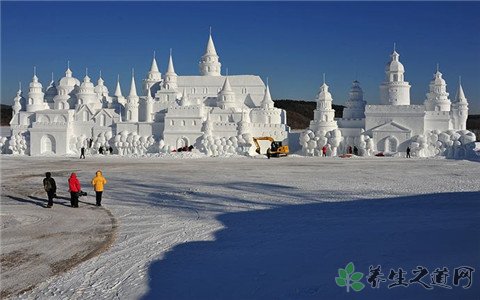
252	228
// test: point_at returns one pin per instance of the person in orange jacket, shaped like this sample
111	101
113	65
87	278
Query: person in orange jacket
98	182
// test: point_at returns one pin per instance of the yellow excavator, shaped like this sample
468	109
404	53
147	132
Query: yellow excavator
276	148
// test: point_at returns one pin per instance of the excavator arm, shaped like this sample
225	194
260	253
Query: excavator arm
263	138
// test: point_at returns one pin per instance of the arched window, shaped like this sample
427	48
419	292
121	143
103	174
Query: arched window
183	123
172	122
129	115
102	120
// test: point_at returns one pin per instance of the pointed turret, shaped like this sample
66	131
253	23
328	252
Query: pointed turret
132	102
150	84
170	80
267	101
226	96
184	100
133	88
460	96
209	63
118	89
459	111
170	68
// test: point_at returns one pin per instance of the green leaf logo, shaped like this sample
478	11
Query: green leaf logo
349	278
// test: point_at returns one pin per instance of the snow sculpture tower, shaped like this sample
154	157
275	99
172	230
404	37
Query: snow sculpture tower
149	107
170	77
460	109
153	77
86	94
35	94
394	90
226	96
355	105
66	86
324	114
132	102
102	92
209	63
437	97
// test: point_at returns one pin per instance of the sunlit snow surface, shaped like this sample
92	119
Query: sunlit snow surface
253	228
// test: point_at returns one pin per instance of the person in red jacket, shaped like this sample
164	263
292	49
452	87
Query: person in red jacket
75	188
324	150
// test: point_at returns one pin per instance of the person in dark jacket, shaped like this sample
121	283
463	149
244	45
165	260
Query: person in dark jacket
82	152
75	188
408	152
50	187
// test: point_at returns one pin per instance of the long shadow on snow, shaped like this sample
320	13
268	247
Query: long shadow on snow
294	252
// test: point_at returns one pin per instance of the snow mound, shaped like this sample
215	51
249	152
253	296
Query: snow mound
131	143
451	144
313	142
18	144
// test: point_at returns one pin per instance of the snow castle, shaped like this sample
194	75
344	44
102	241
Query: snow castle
210	111
395	123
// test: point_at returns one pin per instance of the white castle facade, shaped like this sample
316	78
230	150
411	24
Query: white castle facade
395	123
172	111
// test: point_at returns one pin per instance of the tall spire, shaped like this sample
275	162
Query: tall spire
209	64
267	101
133	89
154	67
35	78
210	50
226	86
460	97
118	90
170	68
68	72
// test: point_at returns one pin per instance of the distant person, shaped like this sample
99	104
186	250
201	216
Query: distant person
349	151
100	150
324	151
408	152
82	152
90	142
50	187
98	182
110	149
355	150
74	188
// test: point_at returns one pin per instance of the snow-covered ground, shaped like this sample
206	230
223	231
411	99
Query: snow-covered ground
252	228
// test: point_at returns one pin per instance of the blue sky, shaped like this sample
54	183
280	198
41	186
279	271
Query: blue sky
293	43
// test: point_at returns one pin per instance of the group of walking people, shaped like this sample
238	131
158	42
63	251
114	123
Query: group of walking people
75	188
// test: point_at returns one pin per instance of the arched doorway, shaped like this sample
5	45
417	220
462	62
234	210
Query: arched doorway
48	145
391	144
182	142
